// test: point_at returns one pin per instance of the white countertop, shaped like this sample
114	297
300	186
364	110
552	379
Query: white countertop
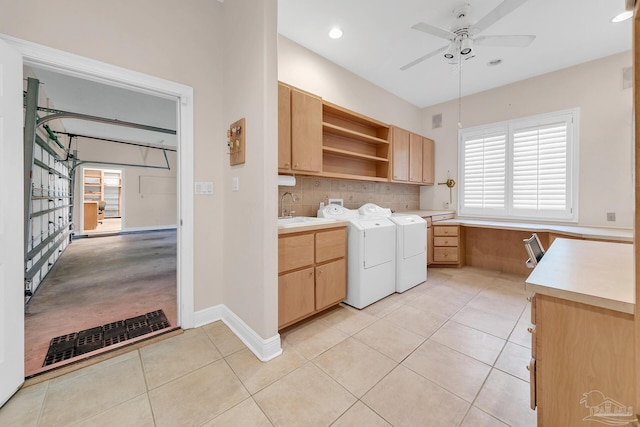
592	233
589	272
427	212
311	227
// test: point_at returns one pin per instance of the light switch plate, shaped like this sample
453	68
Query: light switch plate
235	184
204	188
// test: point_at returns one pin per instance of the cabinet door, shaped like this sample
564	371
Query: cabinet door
306	132
415	158
295	295
428	161
331	245
331	283
295	252
284	127
400	157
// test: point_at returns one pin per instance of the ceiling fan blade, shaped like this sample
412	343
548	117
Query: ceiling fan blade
504	41
423	58
502	10
434	31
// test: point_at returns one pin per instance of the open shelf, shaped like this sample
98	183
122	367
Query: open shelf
352	154
351	134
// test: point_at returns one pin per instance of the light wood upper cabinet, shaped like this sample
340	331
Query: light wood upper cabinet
428	161
400	158
306	132
415	158
284	128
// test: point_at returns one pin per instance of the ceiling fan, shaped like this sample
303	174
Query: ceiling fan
463	36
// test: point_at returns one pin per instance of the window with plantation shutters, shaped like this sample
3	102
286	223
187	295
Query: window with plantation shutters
524	169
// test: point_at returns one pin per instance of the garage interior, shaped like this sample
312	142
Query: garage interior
100	189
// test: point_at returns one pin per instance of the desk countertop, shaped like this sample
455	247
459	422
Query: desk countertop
589	272
592	233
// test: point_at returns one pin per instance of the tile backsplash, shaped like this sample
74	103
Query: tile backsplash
310	191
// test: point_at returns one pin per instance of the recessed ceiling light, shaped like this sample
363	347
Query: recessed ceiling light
335	33
494	62
622	16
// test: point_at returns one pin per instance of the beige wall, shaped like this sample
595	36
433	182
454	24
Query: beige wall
232	77
605	183
309	71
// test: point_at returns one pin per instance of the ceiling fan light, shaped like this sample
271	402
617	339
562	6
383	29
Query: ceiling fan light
466	46
450	53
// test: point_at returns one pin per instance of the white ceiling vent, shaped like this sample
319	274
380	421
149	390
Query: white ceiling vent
627	78
436	121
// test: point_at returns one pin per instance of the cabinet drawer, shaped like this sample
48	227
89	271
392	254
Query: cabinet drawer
442	230
445	254
295	295
445	241
442	217
295	252
331	283
331	245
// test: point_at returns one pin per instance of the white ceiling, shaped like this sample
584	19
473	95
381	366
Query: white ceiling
76	95
378	40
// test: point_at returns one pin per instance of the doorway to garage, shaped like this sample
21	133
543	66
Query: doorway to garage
118	287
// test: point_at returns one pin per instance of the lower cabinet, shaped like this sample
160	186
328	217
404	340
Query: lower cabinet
448	248
312	273
582	364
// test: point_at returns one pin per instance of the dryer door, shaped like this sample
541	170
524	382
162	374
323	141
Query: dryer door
379	241
414	239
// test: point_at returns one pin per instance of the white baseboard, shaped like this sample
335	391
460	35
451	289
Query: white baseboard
264	349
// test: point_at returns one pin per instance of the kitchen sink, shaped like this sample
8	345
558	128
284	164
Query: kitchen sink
299	221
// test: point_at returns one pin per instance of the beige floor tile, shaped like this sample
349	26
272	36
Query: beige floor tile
177	356
224	339
404	398
256	375
476	418
416	321
469	341
389	339
246	413
514	359
520	334
450	294
198	396
491	323
526	314
24	407
503	303
506	398
436	275
77	397
453	371
313	338
384	306
435	305
305	397
355	366
132	413
359	415
349	320
92	369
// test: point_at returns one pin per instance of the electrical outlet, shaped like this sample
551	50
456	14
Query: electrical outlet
611	216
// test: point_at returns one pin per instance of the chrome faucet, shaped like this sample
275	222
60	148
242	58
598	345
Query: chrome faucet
282	203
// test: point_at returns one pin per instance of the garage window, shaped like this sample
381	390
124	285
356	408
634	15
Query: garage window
522	169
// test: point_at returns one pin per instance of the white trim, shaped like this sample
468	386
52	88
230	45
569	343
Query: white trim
74	65
264	349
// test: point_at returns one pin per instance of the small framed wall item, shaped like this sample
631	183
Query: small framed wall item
236	136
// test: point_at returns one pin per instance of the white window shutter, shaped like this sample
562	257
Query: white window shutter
484	171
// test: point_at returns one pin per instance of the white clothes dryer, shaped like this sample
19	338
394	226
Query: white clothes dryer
411	245
411	251
371	253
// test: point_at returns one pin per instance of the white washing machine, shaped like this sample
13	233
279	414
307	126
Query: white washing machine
411	245
371	255
411	251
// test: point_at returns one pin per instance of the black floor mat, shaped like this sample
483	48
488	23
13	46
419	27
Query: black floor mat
77	343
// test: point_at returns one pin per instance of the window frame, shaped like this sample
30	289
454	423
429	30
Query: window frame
509	127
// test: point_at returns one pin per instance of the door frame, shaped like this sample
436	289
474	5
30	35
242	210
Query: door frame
77	66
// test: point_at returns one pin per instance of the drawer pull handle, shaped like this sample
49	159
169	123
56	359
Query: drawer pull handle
528	368
530	330
529	299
